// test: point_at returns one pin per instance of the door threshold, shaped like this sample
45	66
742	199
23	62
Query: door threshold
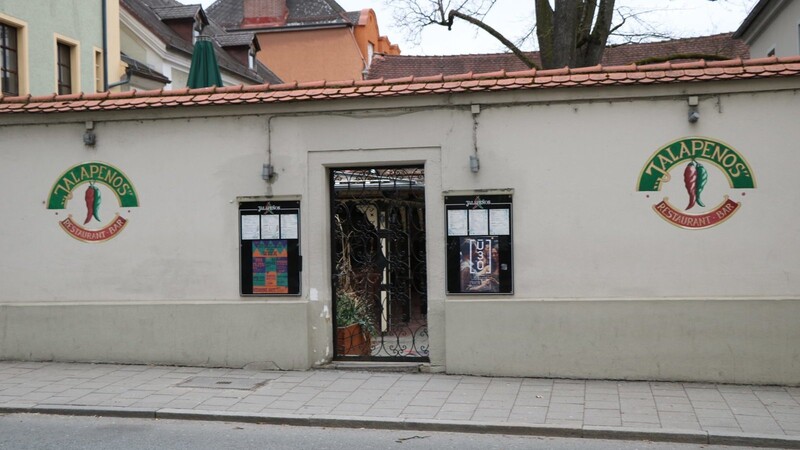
375	366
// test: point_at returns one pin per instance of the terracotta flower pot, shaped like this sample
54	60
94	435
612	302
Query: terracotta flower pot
353	340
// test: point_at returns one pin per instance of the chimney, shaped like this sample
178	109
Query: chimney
261	13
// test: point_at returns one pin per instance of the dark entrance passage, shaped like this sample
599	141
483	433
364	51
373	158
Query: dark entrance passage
380	299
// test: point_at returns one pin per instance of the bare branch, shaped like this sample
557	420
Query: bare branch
480	24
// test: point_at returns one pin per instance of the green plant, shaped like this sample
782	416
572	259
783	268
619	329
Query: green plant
350	310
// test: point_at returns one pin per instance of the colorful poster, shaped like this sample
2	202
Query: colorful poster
270	266
480	264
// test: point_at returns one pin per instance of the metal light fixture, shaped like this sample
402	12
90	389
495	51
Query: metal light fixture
474	163
694	114
89	138
267	172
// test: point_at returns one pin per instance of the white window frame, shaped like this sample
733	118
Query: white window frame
23	82
74	61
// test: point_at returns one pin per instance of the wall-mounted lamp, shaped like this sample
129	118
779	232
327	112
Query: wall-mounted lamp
474	163
694	114
89	138
267	172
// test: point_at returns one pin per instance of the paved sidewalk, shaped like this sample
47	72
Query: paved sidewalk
677	412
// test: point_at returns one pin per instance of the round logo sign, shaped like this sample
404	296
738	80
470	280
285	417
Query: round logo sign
708	174
103	191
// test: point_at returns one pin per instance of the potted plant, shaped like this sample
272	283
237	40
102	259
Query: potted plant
354	326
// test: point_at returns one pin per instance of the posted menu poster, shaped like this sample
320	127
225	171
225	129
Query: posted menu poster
480	265
270	267
479	244
270	248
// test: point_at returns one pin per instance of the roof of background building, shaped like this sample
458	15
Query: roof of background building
146	12
394	66
234	39
630	75
751	17
302	13
143	70
178	11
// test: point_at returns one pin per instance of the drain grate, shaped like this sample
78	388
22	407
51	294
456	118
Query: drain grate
246	384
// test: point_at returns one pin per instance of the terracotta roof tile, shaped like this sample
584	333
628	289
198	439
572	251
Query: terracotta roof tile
552	72
691	64
43	98
395	66
660	66
311	84
429	79
256	87
458	77
497	74
522	73
115	95
752	62
591	69
340	83
231	89
374	82
468	82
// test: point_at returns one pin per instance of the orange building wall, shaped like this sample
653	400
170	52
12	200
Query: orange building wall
367	31
312	55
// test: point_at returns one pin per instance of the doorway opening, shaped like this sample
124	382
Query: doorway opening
379	269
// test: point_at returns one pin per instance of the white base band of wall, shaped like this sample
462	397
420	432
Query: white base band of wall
195	334
727	341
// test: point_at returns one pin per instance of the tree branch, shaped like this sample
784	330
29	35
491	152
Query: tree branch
478	23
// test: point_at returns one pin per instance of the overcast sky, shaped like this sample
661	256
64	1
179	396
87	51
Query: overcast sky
678	18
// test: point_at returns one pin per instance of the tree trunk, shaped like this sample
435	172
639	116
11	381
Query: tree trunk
573	34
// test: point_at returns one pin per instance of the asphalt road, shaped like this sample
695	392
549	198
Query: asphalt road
33	431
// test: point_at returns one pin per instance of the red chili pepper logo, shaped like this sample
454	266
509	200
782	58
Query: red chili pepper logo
92	198
690	180
695	177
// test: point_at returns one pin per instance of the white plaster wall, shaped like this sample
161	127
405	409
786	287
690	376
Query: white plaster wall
607	289
166	289
603	287
582	230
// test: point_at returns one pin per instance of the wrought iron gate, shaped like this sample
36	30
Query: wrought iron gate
379	263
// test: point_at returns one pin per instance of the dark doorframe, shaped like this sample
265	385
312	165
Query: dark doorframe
378	261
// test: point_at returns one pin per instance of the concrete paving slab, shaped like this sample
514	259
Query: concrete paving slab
399	400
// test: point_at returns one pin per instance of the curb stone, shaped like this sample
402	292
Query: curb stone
645	434
754	440
587	432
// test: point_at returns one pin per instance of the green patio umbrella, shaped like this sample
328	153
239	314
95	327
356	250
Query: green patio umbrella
204	71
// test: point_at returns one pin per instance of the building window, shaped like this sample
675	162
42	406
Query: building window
99	80
251	57
64	68
9	61
370	53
